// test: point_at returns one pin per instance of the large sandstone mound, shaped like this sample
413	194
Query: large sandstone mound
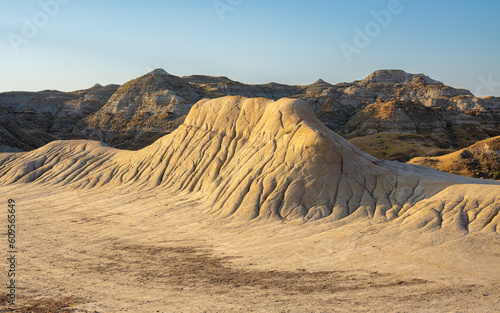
256	158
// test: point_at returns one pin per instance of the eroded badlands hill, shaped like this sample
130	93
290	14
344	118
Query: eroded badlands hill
479	160
153	105
31	119
440	119
256	158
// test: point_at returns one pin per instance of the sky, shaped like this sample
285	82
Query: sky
73	44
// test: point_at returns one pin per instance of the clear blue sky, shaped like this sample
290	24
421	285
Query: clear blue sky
84	42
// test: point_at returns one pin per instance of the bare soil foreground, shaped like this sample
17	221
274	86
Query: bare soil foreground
116	251
250	206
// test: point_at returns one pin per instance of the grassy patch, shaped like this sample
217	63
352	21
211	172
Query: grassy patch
400	147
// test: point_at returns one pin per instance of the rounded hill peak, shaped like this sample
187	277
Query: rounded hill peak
158	71
395	77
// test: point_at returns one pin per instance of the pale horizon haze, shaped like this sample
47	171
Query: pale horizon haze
73	44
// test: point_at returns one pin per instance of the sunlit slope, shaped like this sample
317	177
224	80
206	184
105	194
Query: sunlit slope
256	158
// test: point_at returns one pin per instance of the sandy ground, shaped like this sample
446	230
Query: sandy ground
113	250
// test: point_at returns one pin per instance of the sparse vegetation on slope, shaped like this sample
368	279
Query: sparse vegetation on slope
481	160
401	146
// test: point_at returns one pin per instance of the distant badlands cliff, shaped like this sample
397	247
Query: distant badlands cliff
441	118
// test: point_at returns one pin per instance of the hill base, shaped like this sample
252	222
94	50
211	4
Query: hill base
123	250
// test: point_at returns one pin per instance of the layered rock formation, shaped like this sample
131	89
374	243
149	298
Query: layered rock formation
88	102
35	118
398	77
16	135
459	108
149	104
37	108
256	158
396	116
213	87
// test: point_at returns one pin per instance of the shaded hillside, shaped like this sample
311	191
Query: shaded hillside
88	102
16	136
31	119
37	108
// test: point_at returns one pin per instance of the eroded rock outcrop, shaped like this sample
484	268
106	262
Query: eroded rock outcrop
149	104
32	119
89	101
36	108
256	158
17	135
213	87
481	160
397	116
396	77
